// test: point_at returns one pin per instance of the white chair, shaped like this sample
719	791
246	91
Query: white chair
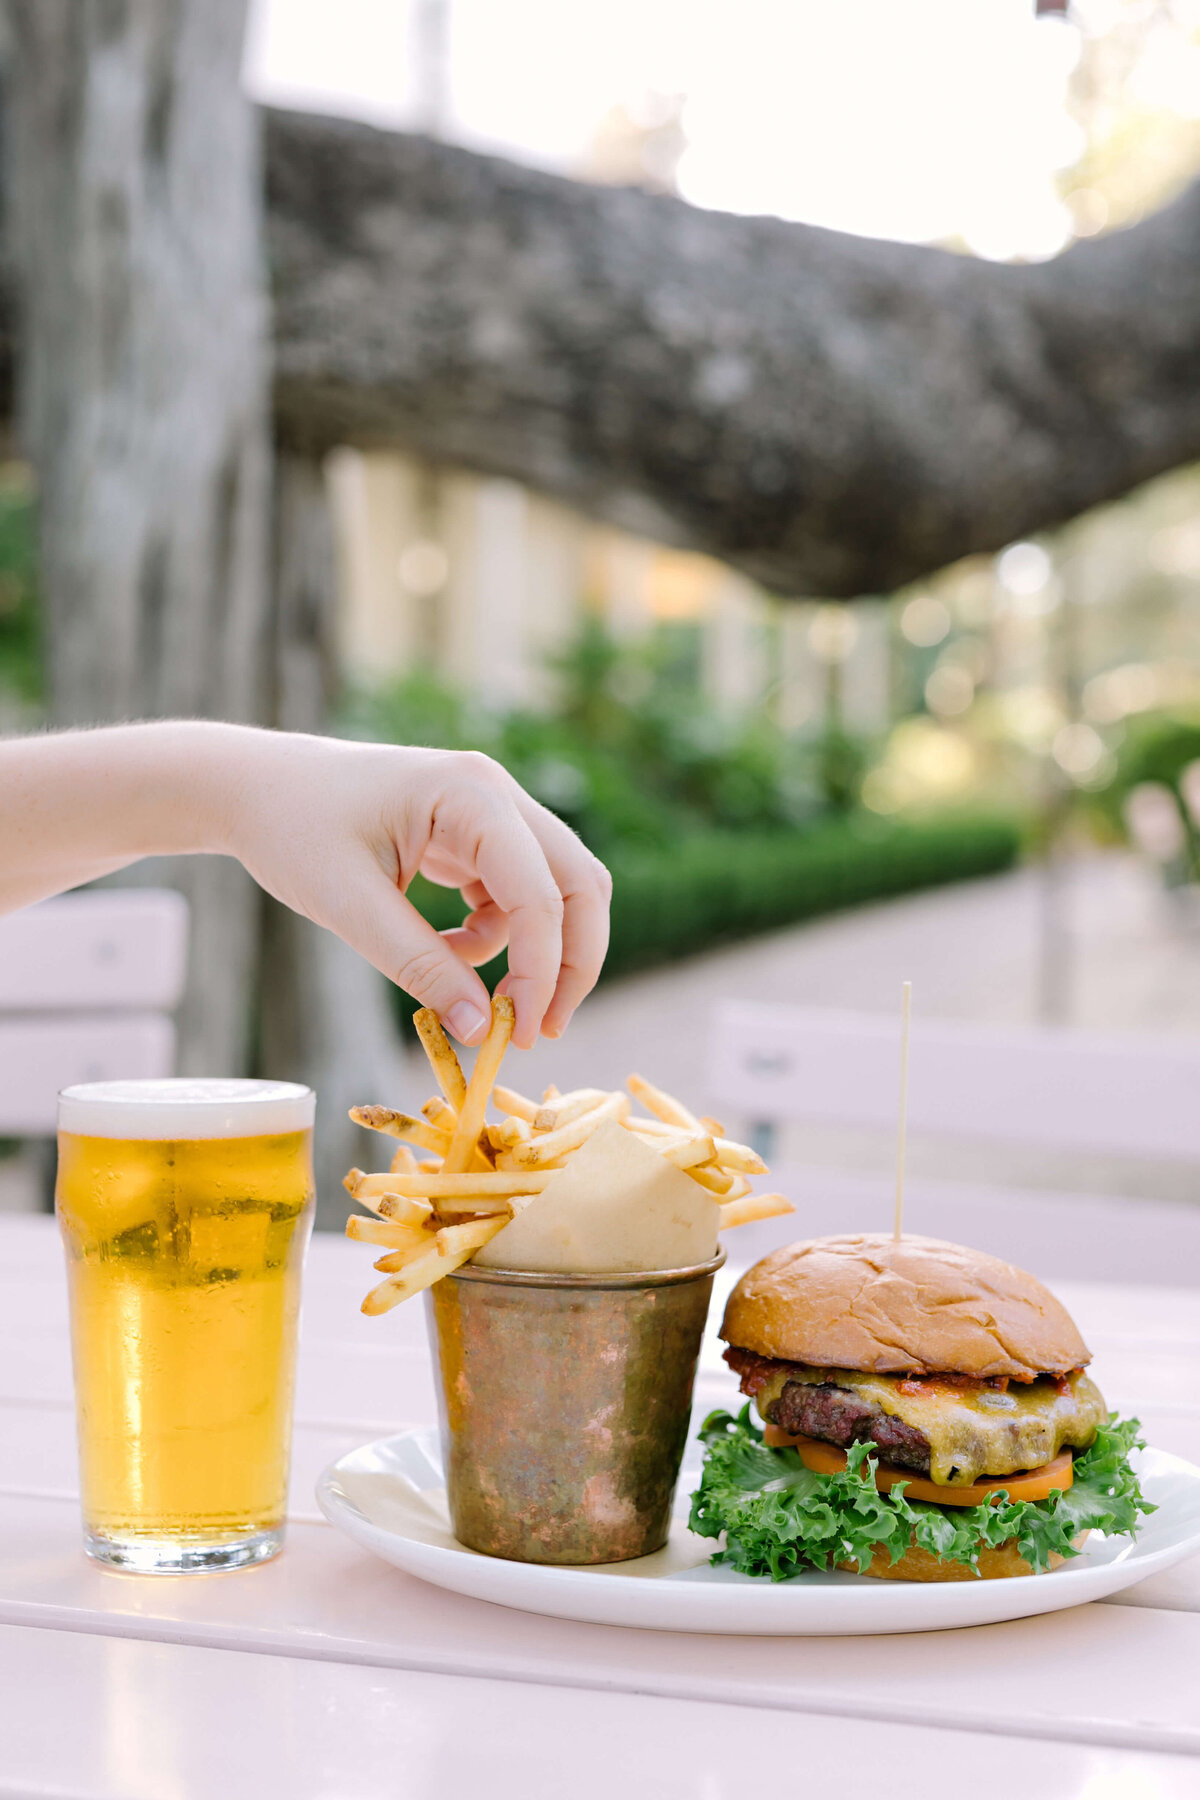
87	984
1122	1095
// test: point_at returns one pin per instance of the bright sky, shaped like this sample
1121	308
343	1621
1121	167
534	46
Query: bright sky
910	119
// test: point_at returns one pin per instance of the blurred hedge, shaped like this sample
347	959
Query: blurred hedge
721	887
716	887
20	645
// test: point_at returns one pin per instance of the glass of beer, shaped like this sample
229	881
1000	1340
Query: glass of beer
185	1208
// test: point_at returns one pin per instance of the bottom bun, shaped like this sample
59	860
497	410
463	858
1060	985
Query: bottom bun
922	1565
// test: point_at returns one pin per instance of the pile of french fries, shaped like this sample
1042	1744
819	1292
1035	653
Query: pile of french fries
431	1216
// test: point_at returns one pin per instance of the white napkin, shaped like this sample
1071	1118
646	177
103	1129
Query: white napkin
618	1205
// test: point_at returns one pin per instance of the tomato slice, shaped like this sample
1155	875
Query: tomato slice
1026	1484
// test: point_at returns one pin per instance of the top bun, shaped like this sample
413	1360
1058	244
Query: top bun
919	1306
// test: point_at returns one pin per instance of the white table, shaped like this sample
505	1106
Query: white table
328	1674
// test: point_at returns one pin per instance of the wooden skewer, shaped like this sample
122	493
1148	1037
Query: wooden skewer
902	1130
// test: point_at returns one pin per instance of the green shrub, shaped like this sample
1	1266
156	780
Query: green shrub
632	755
1155	747
720	887
20	646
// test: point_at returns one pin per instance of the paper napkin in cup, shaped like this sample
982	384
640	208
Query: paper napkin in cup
618	1205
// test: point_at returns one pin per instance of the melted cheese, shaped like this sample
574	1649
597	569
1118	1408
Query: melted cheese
972	1432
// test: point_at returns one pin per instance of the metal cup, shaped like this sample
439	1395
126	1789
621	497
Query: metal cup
564	1403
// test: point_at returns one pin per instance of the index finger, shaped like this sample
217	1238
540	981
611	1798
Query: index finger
513	867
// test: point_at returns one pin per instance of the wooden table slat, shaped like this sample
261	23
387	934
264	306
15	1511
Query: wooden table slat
154	1719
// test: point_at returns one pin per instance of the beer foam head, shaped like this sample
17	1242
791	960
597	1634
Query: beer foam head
181	1109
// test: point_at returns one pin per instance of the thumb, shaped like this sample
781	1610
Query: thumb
389	931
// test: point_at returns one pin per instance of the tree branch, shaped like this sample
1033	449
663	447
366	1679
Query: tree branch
831	414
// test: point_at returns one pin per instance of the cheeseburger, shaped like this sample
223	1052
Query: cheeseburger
926	1416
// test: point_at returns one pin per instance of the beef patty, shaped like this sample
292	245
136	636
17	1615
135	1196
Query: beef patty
834	1414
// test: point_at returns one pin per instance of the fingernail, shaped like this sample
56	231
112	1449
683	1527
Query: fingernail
467	1021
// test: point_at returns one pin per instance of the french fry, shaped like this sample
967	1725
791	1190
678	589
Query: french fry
686	1153
655	1127
728	1154
440	1113
400	1125
482	1204
752	1207
541	1150
712	1178
506	1163
431	1215
453	1247
391	1234
489	1184
740	1157
455	1239
464	1140
516	1105
417	1243
446	1067
663	1105
568	1107
381	1188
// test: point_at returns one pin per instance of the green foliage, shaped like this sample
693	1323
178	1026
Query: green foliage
1155	747
630	756
780	1517
717	887
20	647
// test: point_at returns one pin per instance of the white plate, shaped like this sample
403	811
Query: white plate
389	1497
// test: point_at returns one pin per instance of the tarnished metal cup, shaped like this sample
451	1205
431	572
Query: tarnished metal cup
564	1404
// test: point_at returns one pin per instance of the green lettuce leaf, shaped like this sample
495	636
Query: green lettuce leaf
779	1518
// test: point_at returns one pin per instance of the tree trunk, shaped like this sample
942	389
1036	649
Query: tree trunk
326	1014
135	189
832	415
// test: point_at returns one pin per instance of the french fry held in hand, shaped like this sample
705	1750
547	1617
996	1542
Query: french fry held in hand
431	1217
465	1136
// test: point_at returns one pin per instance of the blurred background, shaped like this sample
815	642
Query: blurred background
986	780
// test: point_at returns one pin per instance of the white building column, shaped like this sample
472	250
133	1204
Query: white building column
801	676
734	663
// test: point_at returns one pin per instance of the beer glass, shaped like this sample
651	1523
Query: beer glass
185	1208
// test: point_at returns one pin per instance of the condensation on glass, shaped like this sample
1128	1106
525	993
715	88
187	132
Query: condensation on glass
185	1209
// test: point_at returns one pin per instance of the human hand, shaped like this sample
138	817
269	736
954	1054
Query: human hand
337	830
